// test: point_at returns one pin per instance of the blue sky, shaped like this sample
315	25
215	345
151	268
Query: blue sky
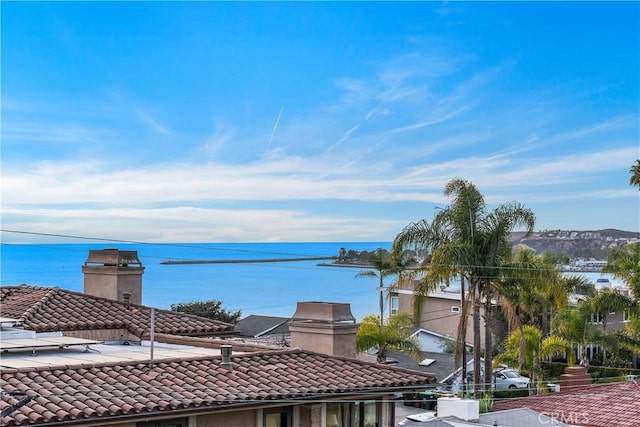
221	122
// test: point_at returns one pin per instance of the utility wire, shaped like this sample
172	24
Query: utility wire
251	251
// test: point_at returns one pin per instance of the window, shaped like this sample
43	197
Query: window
597	317
278	417
395	302
338	414
625	315
365	414
455	309
356	414
174	422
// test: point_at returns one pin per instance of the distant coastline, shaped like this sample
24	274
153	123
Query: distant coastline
563	269
243	261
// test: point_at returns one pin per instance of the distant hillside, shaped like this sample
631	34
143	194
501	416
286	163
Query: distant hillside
577	244
571	243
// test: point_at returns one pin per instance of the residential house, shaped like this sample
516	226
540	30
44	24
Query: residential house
79	315
434	342
272	330
440	312
130	365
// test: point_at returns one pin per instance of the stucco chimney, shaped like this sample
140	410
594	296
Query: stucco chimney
324	327
114	274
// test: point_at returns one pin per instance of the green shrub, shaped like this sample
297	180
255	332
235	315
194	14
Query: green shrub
509	394
486	404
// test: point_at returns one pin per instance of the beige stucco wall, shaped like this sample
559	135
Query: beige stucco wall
615	322
436	315
304	415
246	418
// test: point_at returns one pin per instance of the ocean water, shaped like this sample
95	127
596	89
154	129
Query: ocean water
266	288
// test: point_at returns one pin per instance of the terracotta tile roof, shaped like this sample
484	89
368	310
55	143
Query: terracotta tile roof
124	392
44	309
603	405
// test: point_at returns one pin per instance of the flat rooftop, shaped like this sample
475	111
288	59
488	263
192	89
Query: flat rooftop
101	353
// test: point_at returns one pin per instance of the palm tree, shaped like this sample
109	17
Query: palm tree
394	334
607	301
635	174
383	266
467	241
574	325
625	264
526	288
529	282
531	288
629	337
536	348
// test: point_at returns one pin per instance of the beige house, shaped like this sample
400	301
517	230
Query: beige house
440	312
71	358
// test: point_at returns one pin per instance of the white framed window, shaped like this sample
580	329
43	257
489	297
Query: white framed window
395	305
455	309
597	317
625	315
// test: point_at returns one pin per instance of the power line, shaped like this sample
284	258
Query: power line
252	251
139	242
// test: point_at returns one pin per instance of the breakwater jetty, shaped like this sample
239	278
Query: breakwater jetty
243	261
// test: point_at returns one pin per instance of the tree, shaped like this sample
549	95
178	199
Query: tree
383	266
536	348
528	283
625	264
531	288
607	301
635	174
574	324
526	288
211	309
393	335
467	241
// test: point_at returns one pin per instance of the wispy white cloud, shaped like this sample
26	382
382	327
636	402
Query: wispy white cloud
192	224
437	117
292	178
619	122
275	127
222	134
50	132
153	123
394	133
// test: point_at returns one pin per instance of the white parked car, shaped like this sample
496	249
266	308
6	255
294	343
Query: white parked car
506	379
